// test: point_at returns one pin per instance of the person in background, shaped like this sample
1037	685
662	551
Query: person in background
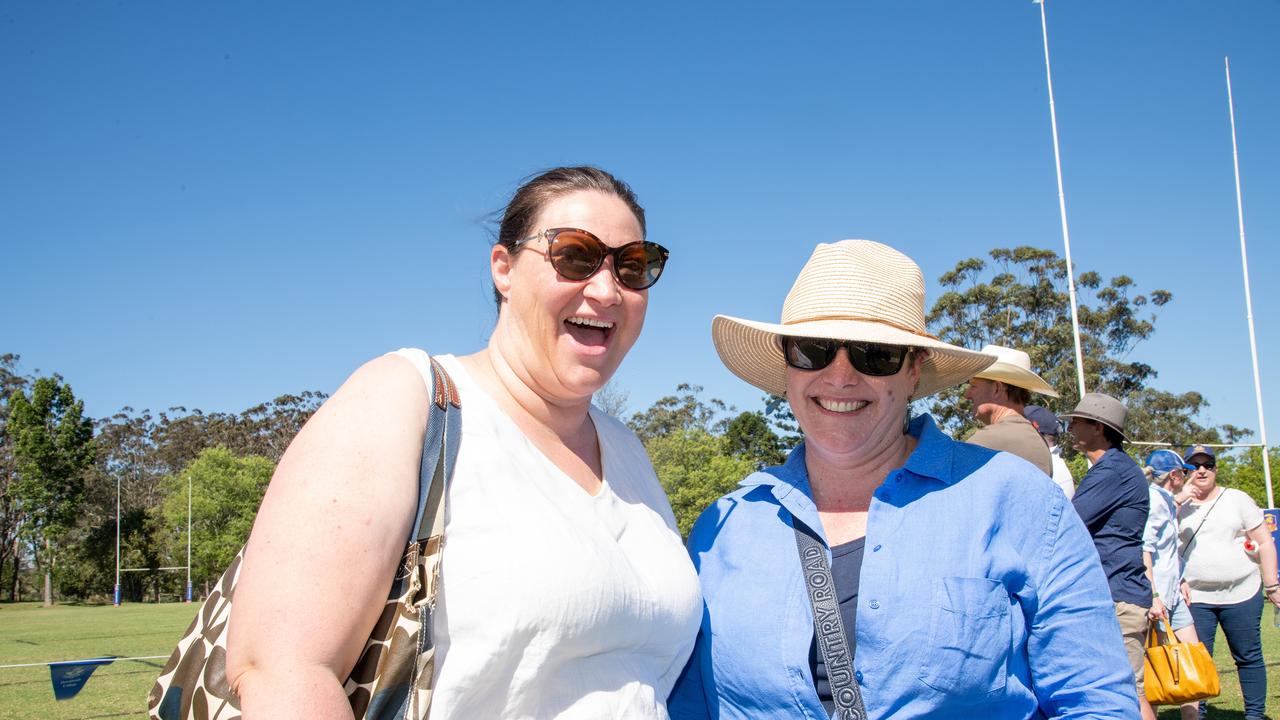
1227	587
1170	596
999	394
1048	426
1113	501
966	624
565	589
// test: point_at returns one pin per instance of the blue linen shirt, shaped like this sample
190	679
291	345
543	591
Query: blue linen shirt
1113	503
981	596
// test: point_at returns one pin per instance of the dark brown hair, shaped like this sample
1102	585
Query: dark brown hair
1017	395
534	194
1112	435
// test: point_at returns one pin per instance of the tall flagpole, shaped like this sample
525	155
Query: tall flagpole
188	537
1248	297
115	596
1062	206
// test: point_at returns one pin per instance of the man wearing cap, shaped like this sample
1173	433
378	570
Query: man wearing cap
1112	501
999	394
1047	425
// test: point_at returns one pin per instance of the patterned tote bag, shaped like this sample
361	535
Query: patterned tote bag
392	678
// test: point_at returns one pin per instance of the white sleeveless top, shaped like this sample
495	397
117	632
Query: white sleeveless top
555	603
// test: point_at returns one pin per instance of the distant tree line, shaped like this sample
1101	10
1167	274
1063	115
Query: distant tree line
59	470
59	473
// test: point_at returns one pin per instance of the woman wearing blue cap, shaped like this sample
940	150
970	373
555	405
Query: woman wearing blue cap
1224	580
1171	599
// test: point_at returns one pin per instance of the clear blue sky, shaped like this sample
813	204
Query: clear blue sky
211	204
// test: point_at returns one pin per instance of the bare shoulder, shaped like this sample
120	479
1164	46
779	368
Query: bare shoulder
387	389
333	524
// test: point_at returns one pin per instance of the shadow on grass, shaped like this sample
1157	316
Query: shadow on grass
1213	713
1222	714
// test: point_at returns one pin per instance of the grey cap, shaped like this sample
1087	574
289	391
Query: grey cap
1102	408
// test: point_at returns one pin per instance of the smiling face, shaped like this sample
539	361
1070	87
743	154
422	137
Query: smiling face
1202	477
565	338
844	413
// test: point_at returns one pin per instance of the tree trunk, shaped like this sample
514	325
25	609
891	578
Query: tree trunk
17	567
48	576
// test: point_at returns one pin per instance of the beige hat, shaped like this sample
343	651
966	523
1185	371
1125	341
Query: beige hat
850	290
1102	408
1013	367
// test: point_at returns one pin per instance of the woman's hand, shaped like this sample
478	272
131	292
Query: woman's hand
1157	611
1196	492
1273	595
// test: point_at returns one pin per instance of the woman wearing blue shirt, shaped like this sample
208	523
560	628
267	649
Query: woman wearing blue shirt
964	583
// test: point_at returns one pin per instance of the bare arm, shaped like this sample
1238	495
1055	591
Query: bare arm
1267	559
1157	609
325	545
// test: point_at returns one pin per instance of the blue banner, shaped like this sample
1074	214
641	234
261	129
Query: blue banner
70	676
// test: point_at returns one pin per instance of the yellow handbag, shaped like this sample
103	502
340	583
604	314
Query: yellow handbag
1177	672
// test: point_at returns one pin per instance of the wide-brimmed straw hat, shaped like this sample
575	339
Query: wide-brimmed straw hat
850	290
1013	367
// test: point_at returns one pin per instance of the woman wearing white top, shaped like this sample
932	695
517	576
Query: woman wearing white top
565	589
1225	582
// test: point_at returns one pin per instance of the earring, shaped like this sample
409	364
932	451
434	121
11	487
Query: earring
906	420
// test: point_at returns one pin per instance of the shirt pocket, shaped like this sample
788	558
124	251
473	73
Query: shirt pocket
969	637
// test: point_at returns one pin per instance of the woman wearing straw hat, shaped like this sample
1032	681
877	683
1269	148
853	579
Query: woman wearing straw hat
1002	613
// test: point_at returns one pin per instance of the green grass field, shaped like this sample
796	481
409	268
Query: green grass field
30	633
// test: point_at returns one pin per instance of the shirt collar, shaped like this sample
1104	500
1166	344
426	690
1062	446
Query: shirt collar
789	482
932	458
934	453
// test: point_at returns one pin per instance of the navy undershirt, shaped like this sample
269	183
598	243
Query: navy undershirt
846	566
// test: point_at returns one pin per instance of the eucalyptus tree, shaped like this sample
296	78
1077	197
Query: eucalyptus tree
52	449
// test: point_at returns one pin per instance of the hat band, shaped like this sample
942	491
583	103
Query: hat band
1090	416
858	318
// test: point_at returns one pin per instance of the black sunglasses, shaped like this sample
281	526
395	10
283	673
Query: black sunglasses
1206	464
872	359
577	255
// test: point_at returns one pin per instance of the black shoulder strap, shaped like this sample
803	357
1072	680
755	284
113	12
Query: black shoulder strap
1187	548
832	641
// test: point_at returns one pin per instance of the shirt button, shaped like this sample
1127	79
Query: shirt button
858	674
875	604
875	549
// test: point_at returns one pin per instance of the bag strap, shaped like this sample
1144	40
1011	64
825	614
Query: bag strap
1186	549
439	453
832	641
1158	633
